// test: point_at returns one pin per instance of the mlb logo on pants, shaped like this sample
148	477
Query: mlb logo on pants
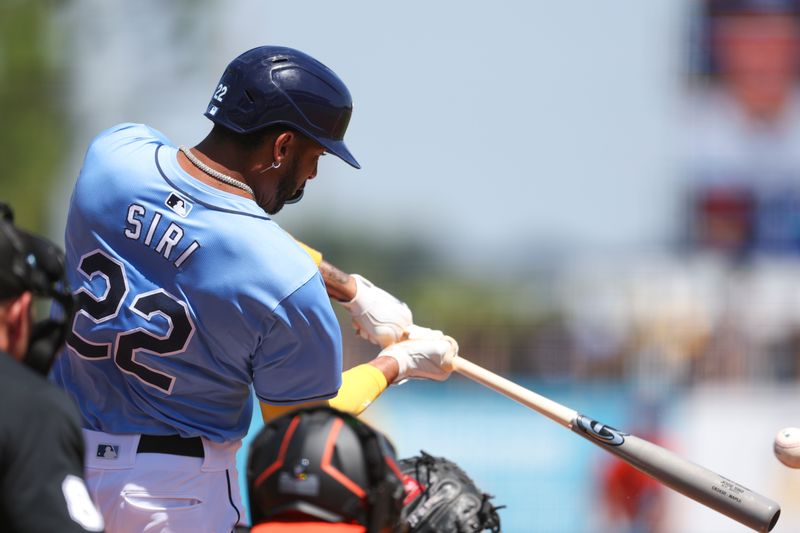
107	451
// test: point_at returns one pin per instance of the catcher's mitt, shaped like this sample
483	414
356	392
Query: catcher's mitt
441	498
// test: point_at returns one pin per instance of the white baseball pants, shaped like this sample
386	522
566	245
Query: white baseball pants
161	492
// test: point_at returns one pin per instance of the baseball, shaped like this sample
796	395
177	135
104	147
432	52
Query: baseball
787	447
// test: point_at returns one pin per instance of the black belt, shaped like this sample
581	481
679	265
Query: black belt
171	445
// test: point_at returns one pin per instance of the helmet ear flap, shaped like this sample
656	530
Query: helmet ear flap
46	337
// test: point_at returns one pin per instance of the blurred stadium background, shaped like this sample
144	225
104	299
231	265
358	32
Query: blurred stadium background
599	201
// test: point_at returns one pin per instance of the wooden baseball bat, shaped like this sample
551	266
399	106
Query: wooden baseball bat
702	485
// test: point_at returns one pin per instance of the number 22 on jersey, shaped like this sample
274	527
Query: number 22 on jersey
103	307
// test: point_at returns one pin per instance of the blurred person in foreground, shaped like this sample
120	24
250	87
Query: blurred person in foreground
191	297
318	469
41	463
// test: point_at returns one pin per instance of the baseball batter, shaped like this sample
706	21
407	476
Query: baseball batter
190	295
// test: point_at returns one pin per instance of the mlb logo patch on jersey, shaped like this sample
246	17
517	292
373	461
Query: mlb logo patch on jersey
107	451
181	206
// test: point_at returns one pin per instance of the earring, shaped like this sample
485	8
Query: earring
275	164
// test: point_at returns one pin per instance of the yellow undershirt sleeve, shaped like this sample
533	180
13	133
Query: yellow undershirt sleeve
361	385
316	255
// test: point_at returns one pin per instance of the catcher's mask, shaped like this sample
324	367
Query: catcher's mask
321	465
31	263
271	85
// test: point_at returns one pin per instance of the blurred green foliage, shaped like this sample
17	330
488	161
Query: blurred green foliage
33	133
497	320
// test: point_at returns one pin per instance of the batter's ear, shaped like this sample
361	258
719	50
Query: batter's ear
283	143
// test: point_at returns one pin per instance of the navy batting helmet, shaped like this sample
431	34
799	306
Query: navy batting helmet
277	85
321	465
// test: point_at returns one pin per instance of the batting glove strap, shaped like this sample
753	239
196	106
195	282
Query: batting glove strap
424	358
378	316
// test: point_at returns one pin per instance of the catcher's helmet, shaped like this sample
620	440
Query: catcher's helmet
319	464
277	85
31	263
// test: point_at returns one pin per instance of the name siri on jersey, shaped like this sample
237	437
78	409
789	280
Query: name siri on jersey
167	241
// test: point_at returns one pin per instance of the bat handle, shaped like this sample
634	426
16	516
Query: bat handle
552	410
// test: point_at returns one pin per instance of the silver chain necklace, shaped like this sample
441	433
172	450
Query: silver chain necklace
216	174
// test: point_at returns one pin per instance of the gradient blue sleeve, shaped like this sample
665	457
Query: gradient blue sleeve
300	359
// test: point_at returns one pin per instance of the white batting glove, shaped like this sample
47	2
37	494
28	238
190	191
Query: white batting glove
378	316
427	354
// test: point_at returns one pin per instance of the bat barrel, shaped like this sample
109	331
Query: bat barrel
692	480
702	485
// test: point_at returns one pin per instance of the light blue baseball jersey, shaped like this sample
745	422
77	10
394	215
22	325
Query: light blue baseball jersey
187	296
